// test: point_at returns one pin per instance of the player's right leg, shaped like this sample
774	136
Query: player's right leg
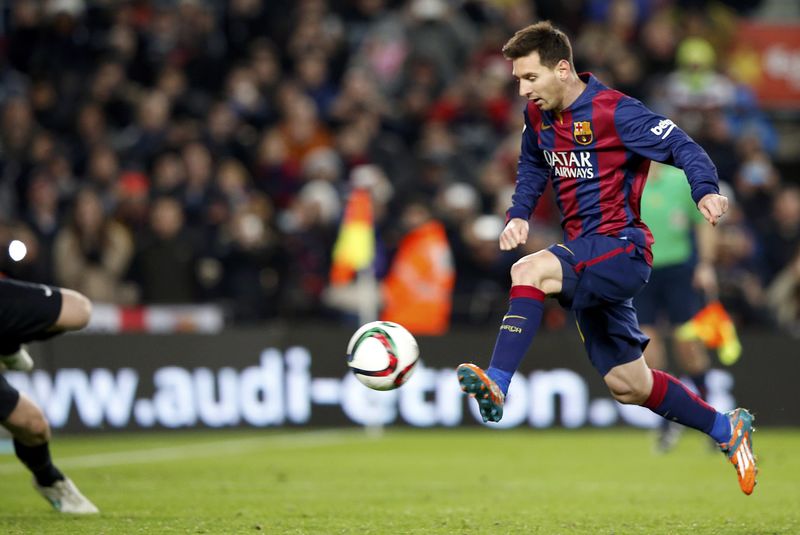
76	309
532	277
31	432
29	312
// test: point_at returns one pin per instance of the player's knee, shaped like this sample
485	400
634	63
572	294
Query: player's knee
532	271
76	309
36	430
626	392
84	311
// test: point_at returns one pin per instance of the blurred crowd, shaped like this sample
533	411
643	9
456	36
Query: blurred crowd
186	151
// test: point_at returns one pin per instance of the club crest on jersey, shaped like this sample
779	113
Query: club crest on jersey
582	132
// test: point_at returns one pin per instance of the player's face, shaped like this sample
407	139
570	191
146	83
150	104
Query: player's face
542	85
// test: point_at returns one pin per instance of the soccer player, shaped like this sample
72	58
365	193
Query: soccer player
31	312
683	275
595	145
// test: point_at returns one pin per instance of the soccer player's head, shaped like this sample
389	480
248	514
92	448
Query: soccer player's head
541	56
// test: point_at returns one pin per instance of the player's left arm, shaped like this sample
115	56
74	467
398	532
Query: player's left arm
658	138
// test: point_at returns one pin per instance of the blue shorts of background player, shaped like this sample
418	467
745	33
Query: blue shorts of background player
669	294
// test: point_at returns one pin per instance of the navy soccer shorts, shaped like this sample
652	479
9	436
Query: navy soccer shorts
669	294
601	275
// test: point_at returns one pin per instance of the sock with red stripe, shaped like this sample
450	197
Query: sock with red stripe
516	333
672	400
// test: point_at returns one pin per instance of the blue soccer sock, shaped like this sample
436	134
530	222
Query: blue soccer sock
516	333
672	400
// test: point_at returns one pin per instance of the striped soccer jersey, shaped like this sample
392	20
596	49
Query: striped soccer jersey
597	153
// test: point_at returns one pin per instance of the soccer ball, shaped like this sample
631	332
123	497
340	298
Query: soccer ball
382	354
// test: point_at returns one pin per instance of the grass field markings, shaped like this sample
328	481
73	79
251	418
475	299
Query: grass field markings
309	439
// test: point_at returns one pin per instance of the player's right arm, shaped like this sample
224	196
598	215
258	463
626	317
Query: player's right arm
532	176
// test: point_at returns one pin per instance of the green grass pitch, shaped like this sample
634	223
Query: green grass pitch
442	481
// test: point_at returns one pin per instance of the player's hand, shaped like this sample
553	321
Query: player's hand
712	206
515	233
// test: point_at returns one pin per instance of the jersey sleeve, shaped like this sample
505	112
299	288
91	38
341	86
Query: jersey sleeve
657	138
532	175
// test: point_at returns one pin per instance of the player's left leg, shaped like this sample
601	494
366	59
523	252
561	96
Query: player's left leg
615	345
532	277
634	383
31	432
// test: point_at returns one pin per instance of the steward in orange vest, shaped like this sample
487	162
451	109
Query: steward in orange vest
418	290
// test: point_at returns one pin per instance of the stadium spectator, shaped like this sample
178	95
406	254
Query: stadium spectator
781	235
738	268
756	180
481	270
200	168
164	265
102	173
696	85
783	297
43	217
418	289
92	253
253	263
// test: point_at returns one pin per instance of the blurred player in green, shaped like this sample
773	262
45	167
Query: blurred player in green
683	278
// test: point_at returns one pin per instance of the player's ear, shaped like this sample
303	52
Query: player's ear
563	69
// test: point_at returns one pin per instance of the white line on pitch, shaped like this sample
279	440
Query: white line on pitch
310	439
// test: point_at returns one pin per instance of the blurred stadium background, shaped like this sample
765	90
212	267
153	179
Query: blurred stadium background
187	165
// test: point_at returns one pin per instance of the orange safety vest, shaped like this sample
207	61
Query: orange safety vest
418	291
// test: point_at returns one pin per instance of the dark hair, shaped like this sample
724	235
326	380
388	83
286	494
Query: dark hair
549	42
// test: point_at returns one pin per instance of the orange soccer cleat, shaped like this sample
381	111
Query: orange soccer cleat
739	449
477	384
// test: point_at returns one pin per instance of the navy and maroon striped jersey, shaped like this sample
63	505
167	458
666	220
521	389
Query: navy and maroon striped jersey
597	153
